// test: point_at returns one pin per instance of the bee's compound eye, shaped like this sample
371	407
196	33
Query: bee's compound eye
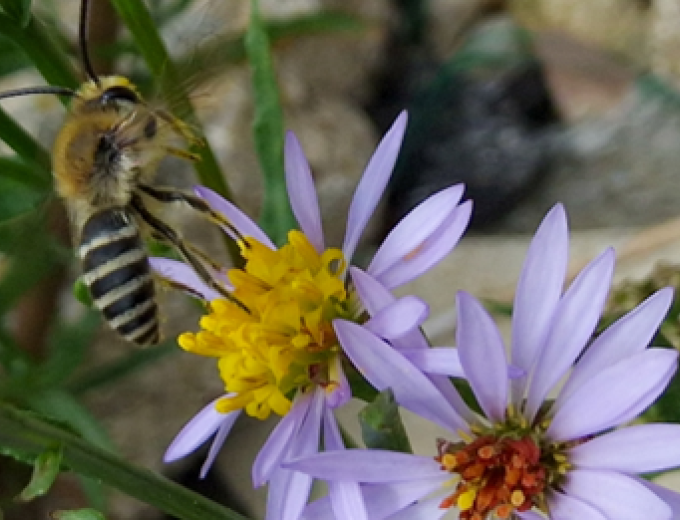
114	94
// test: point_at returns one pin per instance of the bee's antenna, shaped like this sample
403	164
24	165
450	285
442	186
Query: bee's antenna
82	41
58	91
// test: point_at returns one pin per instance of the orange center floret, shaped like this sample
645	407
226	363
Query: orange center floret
497	476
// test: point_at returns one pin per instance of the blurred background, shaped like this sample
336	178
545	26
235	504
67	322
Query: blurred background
528	102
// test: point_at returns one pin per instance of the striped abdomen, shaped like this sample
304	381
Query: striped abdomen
116	269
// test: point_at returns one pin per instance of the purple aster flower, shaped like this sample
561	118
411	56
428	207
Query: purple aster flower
528	456
275	342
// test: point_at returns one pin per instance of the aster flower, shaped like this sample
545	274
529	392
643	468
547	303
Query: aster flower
275	343
529	457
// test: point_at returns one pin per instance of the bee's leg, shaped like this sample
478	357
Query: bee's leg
193	256
181	128
169	196
182	154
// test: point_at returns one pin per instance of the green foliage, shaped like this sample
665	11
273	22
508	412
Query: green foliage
381	425
45	470
277	218
79	514
18	10
29	433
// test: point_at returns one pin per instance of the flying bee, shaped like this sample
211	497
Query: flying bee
104	160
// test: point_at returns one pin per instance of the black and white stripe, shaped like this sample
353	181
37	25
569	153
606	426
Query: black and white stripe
117	272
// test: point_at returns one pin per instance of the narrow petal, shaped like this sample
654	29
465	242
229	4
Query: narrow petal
287	494
431	251
614	396
575	320
198	430
672	498
438	360
370	466
614	495
382	500
384	367
289	490
372	184
398	319
538	292
278	442
301	192
482	355
373	295
181	274
242	222
346	498
566	507
637	449
218	442
407	237
630	334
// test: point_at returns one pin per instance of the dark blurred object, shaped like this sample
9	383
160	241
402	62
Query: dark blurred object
485	118
212	487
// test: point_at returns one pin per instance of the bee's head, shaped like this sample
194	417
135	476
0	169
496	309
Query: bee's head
115	92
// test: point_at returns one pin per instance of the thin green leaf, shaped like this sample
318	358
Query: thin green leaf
44	51
78	514
18	198
277	218
18	10
11	58
21	431
381	425
62	406
45	470
96	493
25	146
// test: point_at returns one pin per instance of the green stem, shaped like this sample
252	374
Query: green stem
51	61
26	433
43	50
24	145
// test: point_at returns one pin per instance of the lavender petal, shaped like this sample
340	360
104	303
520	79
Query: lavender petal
641	448
615	495
482	355
574	321
612	397
301	192
372	184
241	222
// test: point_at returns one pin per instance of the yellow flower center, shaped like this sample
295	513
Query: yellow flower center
285	340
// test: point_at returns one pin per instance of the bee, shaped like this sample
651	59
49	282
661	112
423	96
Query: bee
104	160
